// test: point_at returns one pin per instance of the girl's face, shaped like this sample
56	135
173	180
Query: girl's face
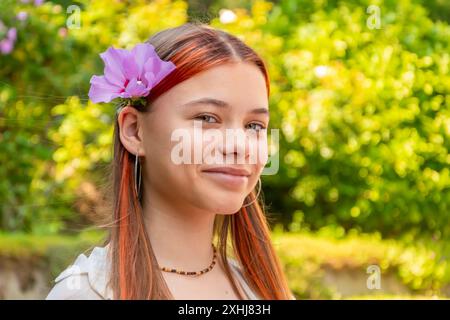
190	148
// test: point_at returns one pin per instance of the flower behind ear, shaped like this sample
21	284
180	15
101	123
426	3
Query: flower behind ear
129	74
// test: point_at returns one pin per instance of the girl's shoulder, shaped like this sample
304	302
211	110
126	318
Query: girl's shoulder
239	275
86	278
236	266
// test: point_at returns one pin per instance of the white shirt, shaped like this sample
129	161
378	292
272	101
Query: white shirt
86	278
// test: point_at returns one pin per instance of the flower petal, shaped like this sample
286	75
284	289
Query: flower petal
166	68
12	34
149	67
141	53
136	88
125	95
130	68
102	91
6	46
150	79
114	69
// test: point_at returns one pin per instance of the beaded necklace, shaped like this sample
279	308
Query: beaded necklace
191	273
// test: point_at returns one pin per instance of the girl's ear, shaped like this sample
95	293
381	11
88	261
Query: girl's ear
130	130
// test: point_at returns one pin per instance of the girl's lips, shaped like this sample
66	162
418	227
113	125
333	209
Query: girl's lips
229	170
226	179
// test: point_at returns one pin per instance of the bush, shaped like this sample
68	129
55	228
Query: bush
422	268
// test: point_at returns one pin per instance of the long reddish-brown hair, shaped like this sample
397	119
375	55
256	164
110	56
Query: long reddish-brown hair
193	47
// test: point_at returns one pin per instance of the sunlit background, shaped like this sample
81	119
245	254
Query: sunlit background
360	91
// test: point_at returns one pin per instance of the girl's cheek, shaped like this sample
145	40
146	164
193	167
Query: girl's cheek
259	152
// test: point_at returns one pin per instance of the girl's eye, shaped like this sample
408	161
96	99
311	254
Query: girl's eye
258	127
207	118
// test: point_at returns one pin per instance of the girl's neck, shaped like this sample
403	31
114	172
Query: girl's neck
181	238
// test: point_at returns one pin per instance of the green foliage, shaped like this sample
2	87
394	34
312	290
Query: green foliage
34	76
55	252
422	268
23	246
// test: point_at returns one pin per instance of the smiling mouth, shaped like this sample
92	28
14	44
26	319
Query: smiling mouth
229	177
230	171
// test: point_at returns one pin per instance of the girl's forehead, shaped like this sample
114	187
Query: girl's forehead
237	84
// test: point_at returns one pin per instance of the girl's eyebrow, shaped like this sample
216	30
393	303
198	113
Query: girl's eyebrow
221	104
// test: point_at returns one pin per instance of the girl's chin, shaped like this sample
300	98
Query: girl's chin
225	206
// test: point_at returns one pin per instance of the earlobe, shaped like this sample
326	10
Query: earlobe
129	130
